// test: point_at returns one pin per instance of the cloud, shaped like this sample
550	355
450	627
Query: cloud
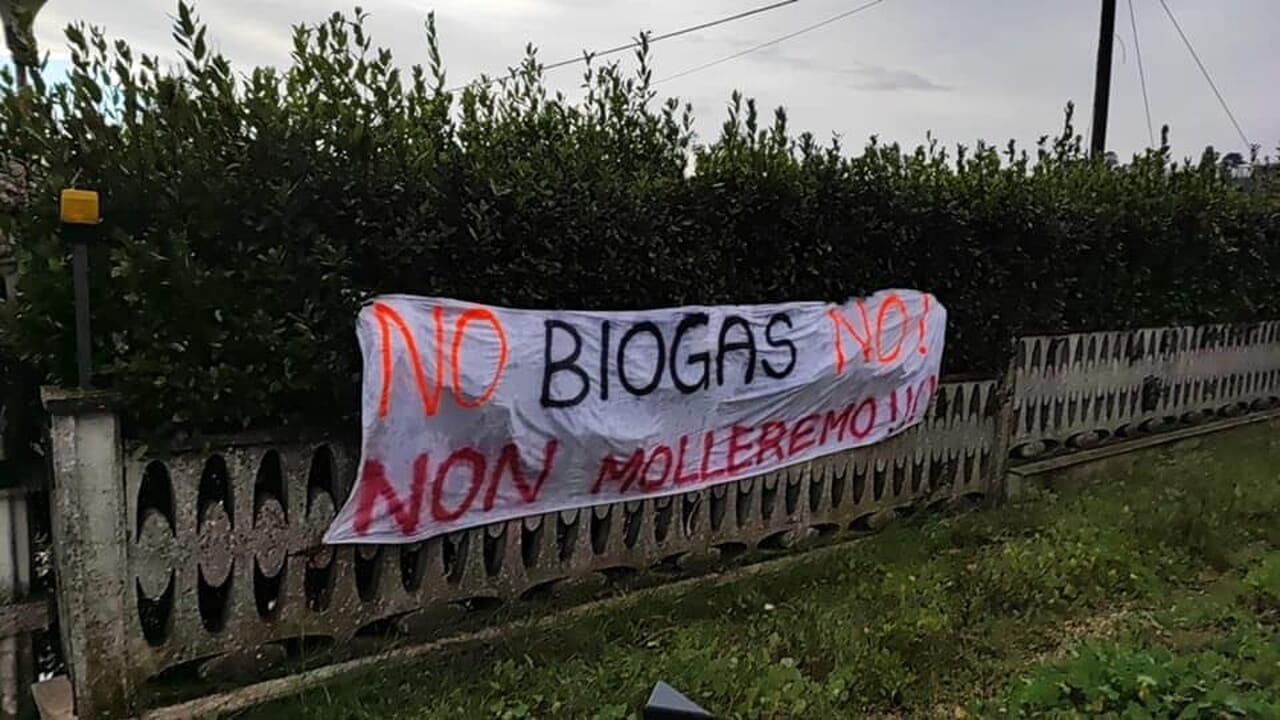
884	79
859	75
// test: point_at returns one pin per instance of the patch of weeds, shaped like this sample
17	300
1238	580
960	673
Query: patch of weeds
1195	519
1192	618
874	676
1063	567
1263	581
980	529
1129	681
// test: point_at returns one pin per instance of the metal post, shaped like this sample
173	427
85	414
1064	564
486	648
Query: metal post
1102	81
80	278
79	213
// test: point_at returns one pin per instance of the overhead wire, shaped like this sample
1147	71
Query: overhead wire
636	43
770	43
1142	76
1205	71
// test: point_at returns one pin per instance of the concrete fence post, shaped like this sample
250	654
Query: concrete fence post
17	662
1007	398
90	531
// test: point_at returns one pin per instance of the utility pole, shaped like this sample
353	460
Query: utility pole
1102	82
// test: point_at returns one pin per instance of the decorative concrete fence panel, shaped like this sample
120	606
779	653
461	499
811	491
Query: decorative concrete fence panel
211	557
1076	390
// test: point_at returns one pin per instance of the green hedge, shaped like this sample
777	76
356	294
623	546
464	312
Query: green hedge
248	216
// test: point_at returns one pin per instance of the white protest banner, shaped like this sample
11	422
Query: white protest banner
476	414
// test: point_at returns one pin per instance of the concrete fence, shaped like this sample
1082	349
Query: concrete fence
207	559
21	614
1074	391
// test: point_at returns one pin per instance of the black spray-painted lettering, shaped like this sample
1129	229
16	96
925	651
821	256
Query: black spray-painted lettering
659	355
778	319
567	364
700	359
642	347
749	344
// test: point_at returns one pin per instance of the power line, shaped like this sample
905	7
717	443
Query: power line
770	43
1142	77
676	33
1204	71
651	40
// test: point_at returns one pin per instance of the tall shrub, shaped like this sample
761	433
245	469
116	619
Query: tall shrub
247	216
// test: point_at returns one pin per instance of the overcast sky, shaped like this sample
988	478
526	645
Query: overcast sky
965	69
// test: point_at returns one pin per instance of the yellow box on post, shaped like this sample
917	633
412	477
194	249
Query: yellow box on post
79	207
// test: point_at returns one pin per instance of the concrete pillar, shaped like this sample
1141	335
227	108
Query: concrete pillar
1007	390
90	532
17	662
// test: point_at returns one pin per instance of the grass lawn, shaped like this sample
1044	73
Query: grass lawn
1153	593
